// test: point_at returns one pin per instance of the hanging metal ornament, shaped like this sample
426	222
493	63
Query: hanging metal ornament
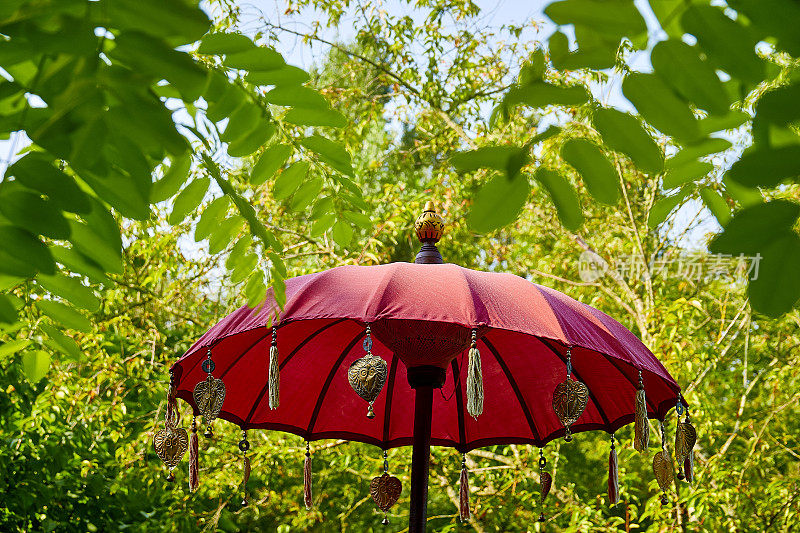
569	399
685	439
385	489
171	442
209	395
368	374
244	446
546	481
663	469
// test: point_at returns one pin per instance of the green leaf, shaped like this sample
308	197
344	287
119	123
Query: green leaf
322	224
252	141
296	97
306	194
35	365
342	233
121	192
8	314
542	94
243	120
12	347
727	43
716	204
744	196
224	232
65	315
9	282
35	214
244	268
37	172
656	102
680	66
70	289
732	120
102	249
753	228
80	264
269	162
155	58
664	206
289	180
678	176
498	203
611	17
19	246
598	173
777	18
357	218
315	117
255	290
286	75
777	288
61	342
332	153
563	196
238	251
321	207
558	45
623	133
182	20
258	59
212	214
221	43
696	151
174	177
232	98
188	199
766	167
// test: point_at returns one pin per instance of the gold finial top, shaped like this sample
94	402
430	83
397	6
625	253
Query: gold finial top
429	225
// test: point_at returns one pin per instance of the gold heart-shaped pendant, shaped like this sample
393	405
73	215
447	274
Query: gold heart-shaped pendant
171	444
547	483
209	396
662	468
385	491
367	376
569	401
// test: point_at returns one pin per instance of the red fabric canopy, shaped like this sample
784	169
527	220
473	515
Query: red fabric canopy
423	315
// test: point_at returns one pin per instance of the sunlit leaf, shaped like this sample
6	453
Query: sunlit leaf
11	347
211	217
342	233
357	218
242	121
613	17
289	180
70	289
753	228
696	151
623	133
19	246
224	232
296	97
252	141
100	248
598	173
332	153
498	202
174	177
269	162
64	315
258	59
8	314
306	194
188	199
678	176
776	290
322	224
563	196
61	342
542	94
659	105
37	172
716	204
766	167
315	117
35	214
35	365
664	206
285	75
224	43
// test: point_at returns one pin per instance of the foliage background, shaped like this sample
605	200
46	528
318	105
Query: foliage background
176	215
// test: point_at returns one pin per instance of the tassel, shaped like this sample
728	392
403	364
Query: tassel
688	468
463	492
194	458
274	372
613	475
474	380
307	479
641	428
244	446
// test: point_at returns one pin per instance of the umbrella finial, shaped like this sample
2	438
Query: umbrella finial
429	227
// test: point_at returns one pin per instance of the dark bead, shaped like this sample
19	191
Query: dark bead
541	517
664	499
244	445
208	366
385	520
171	477
244	502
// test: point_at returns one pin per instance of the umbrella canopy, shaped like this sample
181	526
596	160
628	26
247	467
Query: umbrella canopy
514	362
422	315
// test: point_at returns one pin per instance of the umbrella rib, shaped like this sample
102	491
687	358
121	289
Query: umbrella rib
515	387
329	379
462	430
389	393
574	371
242	355
283	364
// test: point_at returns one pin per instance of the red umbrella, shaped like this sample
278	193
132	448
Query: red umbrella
423	319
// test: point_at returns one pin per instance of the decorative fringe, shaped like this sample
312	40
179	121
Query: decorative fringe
641	428
274	372
307	479
194	458
613	475
463	492
688	468
474	380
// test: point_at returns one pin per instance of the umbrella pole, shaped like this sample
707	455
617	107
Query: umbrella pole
423	380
